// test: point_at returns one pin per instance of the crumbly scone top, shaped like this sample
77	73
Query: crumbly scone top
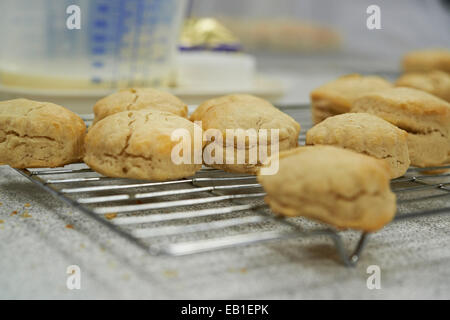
435	82
414	101
425	60
33	118
139	98
327	169
136	133
242	111
350	126
349	87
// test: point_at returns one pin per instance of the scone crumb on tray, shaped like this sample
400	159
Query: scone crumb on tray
110	216
25	214
171	273
13	213
69	226
2	221
240	270
27	205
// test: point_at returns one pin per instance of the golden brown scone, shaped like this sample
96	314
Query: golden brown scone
435	82
137	99
367	134
333	185
243	111
427	60
425	117
337	96
39	134
137	144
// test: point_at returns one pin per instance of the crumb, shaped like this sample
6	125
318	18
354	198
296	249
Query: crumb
69	226
111	215
82	246
13	213
2	221
1	203
126	276
25	214
241	270
171	273
27	205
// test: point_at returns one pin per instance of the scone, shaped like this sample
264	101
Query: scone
425	117
137	99
367	134
138	144
39	134
336	97
427	60
435	82
333	185
247	112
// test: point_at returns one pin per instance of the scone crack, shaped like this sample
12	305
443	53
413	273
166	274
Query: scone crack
11	132
422	132
127	141
126	154
35	108
135	98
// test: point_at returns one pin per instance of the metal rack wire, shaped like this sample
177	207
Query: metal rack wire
214	209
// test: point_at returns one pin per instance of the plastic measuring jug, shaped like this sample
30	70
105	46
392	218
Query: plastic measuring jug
120	43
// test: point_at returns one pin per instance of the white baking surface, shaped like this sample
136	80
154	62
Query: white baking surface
414	258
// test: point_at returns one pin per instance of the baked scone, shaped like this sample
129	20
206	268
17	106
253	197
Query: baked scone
39	134
243	111
435	82
137	144
337	96
425	117
333	185
367	134
137	99
427	60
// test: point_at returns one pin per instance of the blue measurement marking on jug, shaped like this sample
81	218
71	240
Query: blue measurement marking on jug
98	37
128	38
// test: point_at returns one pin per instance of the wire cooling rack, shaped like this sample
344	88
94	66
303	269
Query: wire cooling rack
215	210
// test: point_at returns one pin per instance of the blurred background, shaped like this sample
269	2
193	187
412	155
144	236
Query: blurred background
200	48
